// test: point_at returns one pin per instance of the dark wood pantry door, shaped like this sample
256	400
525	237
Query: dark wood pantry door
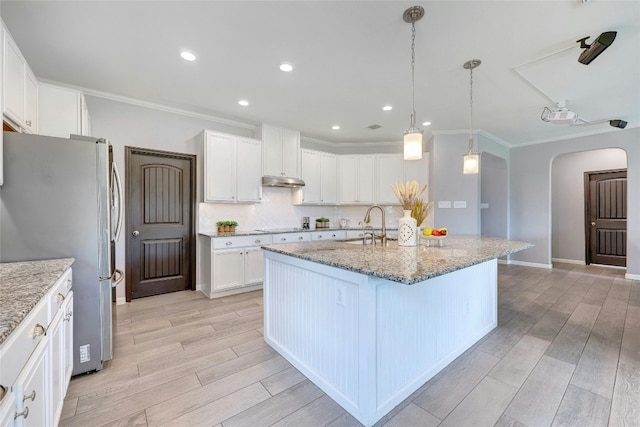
606	217
159	210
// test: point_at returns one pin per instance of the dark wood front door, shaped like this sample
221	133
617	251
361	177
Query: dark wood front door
159	210
606	217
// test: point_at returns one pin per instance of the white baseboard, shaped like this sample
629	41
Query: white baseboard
568	261
121	300
531	264
632	276
503	261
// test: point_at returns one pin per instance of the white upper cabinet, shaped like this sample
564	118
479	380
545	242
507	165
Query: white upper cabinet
1	109
31	100
19	88
249	170
318	171
61	111
356	174
281	151
389	169
232	168
310	174
328	178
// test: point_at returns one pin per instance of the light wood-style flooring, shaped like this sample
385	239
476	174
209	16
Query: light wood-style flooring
566	352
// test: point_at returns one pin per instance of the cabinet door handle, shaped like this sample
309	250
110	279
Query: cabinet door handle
28	122
283	239
60	297
69	282
320	236
24	413
68	316
229	243
300	238
38	330
258	241
31	396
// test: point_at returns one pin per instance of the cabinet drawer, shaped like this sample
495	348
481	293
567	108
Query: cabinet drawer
58	293
240	241
328	235
22	342
291	238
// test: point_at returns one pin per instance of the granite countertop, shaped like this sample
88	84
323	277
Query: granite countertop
403	264
284	230
22	286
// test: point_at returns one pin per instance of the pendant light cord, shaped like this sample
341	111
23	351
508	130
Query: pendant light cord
413	72
471	111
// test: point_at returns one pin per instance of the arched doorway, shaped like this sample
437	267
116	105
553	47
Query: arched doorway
568	235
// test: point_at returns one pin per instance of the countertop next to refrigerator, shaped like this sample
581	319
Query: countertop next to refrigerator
22	286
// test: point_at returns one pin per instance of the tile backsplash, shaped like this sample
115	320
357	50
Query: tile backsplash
276	211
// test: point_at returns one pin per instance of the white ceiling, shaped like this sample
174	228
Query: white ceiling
350	59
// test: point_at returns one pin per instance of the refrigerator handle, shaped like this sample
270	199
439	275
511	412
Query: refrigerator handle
116	277
118	182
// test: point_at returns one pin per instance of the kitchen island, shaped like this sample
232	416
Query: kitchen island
370	324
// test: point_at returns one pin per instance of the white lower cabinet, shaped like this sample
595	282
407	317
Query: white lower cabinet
291	238
61	352
235	265
36	361
32	390
7	407
328	235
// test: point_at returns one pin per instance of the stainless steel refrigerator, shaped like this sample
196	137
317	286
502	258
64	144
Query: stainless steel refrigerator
62	198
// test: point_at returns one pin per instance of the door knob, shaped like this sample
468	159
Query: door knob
593	223
135	233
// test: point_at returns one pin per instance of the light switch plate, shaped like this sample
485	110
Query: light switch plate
444	205
459	204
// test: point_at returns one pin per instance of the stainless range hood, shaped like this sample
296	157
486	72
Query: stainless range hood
282	181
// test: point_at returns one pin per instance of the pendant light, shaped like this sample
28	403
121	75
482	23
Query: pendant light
413	135
471	158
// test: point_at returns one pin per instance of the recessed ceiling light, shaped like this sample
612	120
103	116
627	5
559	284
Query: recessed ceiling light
286	67
335	127
426	123
187	56
387	108
243	102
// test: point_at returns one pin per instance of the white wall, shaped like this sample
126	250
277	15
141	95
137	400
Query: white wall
448	183
567	205
494	177
530	193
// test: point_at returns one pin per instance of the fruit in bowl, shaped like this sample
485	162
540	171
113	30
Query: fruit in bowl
436	232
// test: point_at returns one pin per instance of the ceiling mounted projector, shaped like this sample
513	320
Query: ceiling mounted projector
591	51
561	116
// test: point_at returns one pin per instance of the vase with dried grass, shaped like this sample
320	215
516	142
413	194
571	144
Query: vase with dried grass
407	194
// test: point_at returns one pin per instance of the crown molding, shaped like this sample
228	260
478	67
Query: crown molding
152	105
349	144
580	135
482	133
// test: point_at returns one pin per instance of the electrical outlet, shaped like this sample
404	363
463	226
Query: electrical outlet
84	353
340	295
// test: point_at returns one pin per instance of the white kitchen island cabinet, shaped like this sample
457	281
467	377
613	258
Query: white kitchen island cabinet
370	324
